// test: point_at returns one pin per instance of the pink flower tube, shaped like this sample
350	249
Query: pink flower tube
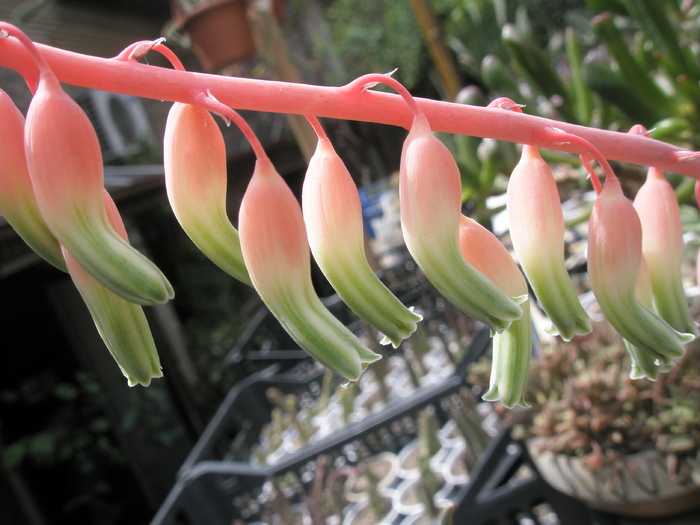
65	165
195	180
333	217
614	259
537	233
430	197
512	348
276	253
662	246
122	324
17	202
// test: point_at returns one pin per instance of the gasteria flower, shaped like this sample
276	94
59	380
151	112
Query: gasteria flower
614	258
512	348
643	363
195	179
537	233
430	197
276	253
65	165
122	324
17	202
662	246
333	217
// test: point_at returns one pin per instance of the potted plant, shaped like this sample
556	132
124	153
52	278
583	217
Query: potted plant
622	445
219	30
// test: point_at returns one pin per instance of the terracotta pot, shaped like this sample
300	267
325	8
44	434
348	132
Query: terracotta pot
220	32
641	487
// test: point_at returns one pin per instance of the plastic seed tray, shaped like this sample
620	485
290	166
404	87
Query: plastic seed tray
215	492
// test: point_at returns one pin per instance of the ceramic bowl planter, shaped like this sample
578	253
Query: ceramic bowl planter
640	486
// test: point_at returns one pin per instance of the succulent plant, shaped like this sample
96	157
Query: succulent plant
585	404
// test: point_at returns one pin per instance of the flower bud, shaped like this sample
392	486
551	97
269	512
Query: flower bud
430	196
122	324
662	246
537	233
276	253
65	165
512	347
17	202
614	259
333	218
195	180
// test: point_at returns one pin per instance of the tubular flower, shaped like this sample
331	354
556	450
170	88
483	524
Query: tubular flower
333	217
17	202
614	258
195	180
430	196
122	324
276	252
537	233
512	347
662	246
643	363
65	165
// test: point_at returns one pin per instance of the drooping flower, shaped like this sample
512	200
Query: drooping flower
614	258
195	178
276	253
17	202
430	196
643	363
662	246
512	347
122	324
537	232
65	166
333	217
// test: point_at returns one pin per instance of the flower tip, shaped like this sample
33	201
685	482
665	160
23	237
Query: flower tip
143	381
508	401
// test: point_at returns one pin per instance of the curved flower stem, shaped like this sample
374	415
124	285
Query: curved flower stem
203	99
320	132
134	78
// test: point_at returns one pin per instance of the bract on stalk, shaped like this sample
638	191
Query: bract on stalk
512	347
122	324
276	253
334	224
196	180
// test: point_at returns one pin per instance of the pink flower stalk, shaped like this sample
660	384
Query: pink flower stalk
614	259
195	179
512	348
65	165
122	324
537	233
662	246
334	224
17	202
276	253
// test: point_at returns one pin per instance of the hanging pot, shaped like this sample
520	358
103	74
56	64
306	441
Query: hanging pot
219	31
